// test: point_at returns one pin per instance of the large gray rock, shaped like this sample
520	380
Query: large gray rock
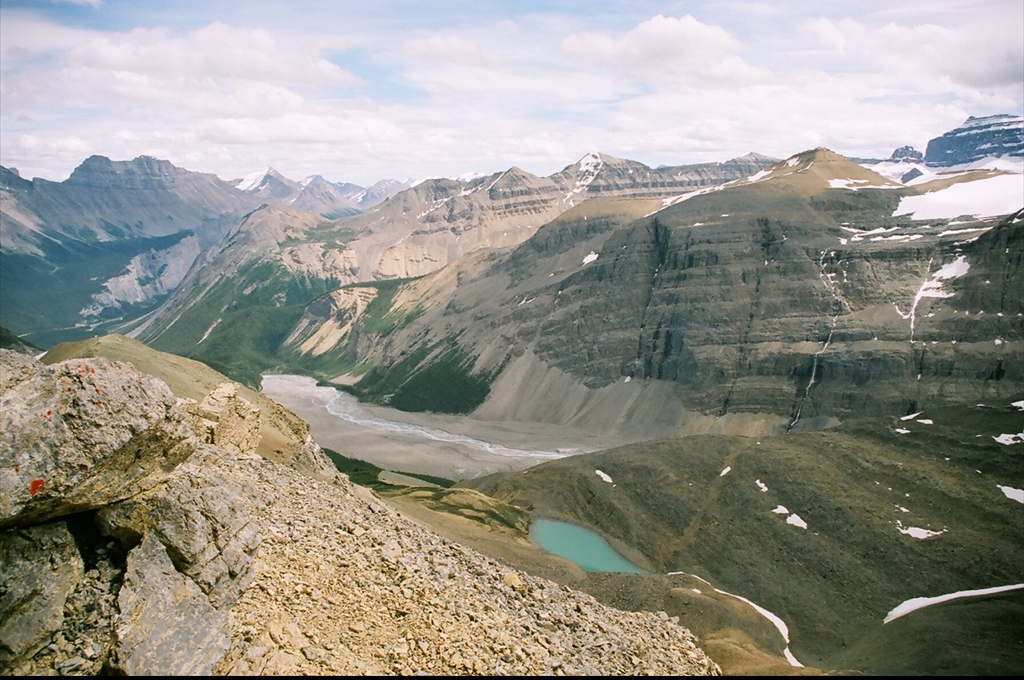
15	367
197	515
39	567
166	625
83	434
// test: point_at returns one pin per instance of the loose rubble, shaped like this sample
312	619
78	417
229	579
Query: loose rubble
235	564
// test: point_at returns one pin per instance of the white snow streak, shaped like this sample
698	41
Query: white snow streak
922	602
779	624
933	287
847	183
1011	493
795	520
724	472
590	258
603	476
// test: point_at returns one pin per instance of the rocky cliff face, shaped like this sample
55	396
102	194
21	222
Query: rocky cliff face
416	232
110	240
106	200
978	138
212	559
794	294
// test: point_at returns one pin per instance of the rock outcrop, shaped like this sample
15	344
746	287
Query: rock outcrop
81	435
41	568
232	563
907	153
978	138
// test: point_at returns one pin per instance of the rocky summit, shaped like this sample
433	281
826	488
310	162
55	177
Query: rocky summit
978	138
200	556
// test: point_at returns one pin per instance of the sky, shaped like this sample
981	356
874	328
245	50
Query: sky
361	91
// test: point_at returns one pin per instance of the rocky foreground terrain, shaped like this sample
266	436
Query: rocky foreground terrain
142	534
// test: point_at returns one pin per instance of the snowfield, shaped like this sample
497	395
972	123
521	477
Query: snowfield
998	195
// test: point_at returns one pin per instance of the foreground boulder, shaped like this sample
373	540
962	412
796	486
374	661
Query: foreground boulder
81	435
197	516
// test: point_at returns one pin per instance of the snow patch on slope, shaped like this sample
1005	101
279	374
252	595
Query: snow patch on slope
1012	493
921	602
252	180
934	287
999	195
590	165
917	532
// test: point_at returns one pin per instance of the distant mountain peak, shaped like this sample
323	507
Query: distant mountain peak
907	153
253	179
817	169
977	138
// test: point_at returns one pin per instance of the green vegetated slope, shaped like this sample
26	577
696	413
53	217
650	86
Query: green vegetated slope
433	377
239	325
695	505
43	294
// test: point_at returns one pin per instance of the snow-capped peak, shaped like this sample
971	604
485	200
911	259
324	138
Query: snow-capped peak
591	163
469	176
1002	120
252	180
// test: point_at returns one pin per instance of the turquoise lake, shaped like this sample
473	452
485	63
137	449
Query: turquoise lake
588	550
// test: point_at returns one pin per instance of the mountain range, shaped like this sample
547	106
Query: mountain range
117	237
315	194
820	361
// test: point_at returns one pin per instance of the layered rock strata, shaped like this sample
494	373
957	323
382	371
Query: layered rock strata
978	138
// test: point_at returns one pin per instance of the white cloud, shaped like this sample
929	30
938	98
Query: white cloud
454	49
666	49
214	51
977	54
371	93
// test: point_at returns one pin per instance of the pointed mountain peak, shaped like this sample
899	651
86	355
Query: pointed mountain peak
820	168
253	179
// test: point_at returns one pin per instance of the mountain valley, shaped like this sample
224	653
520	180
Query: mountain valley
791	390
